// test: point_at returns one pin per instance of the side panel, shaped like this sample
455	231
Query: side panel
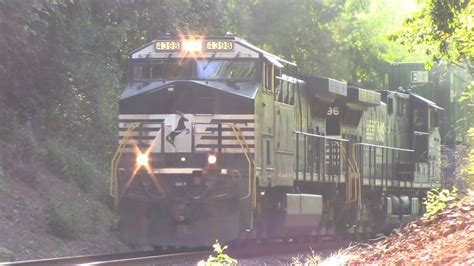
264	128
285	145
264	133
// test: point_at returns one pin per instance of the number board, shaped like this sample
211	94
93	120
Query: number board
369	96
419	76
218	45
166	46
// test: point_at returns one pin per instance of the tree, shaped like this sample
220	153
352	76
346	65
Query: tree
345	40
444	29
23	47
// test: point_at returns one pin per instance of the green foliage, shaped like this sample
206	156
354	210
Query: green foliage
437	200
72	164
221	259
299	31
22	45
341	39
364	31
443	28
70	221
64	220
467	169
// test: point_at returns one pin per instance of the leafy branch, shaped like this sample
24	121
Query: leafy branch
437	200
221	259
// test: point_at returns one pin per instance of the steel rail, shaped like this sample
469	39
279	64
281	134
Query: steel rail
176	259
247	251
91	259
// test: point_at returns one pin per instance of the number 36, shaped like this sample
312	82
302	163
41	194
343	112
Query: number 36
333	111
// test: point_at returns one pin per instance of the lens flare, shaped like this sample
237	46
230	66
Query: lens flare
212	159
192	46
142	159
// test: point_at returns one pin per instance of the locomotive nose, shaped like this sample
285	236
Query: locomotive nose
183	212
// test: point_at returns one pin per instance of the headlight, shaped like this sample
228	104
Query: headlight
142	159
211	158
192	46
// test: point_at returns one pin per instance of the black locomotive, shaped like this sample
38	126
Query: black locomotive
222	140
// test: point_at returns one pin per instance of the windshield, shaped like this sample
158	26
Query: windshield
225	69
159	70
229	69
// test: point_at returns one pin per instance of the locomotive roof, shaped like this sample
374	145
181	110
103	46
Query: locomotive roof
422	100
363	96
323	87
242	49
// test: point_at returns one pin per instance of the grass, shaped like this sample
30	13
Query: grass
341	257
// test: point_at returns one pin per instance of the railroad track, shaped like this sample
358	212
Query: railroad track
128	258
191	256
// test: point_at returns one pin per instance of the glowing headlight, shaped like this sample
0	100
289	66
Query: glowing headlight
192	46
212	159
142	159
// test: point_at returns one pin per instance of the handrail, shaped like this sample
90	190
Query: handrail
354	191
323	137
114	164
380	146
319	136
353	182
245	148
252	192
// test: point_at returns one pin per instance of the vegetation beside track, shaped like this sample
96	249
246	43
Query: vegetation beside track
445	238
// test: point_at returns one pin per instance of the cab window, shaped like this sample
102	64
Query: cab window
269	76
162	70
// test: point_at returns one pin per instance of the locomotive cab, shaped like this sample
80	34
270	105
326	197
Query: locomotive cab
426	139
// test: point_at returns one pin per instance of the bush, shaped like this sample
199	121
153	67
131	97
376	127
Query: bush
72	164
16	130
70	221
56	158
437	200
64	221
20	154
